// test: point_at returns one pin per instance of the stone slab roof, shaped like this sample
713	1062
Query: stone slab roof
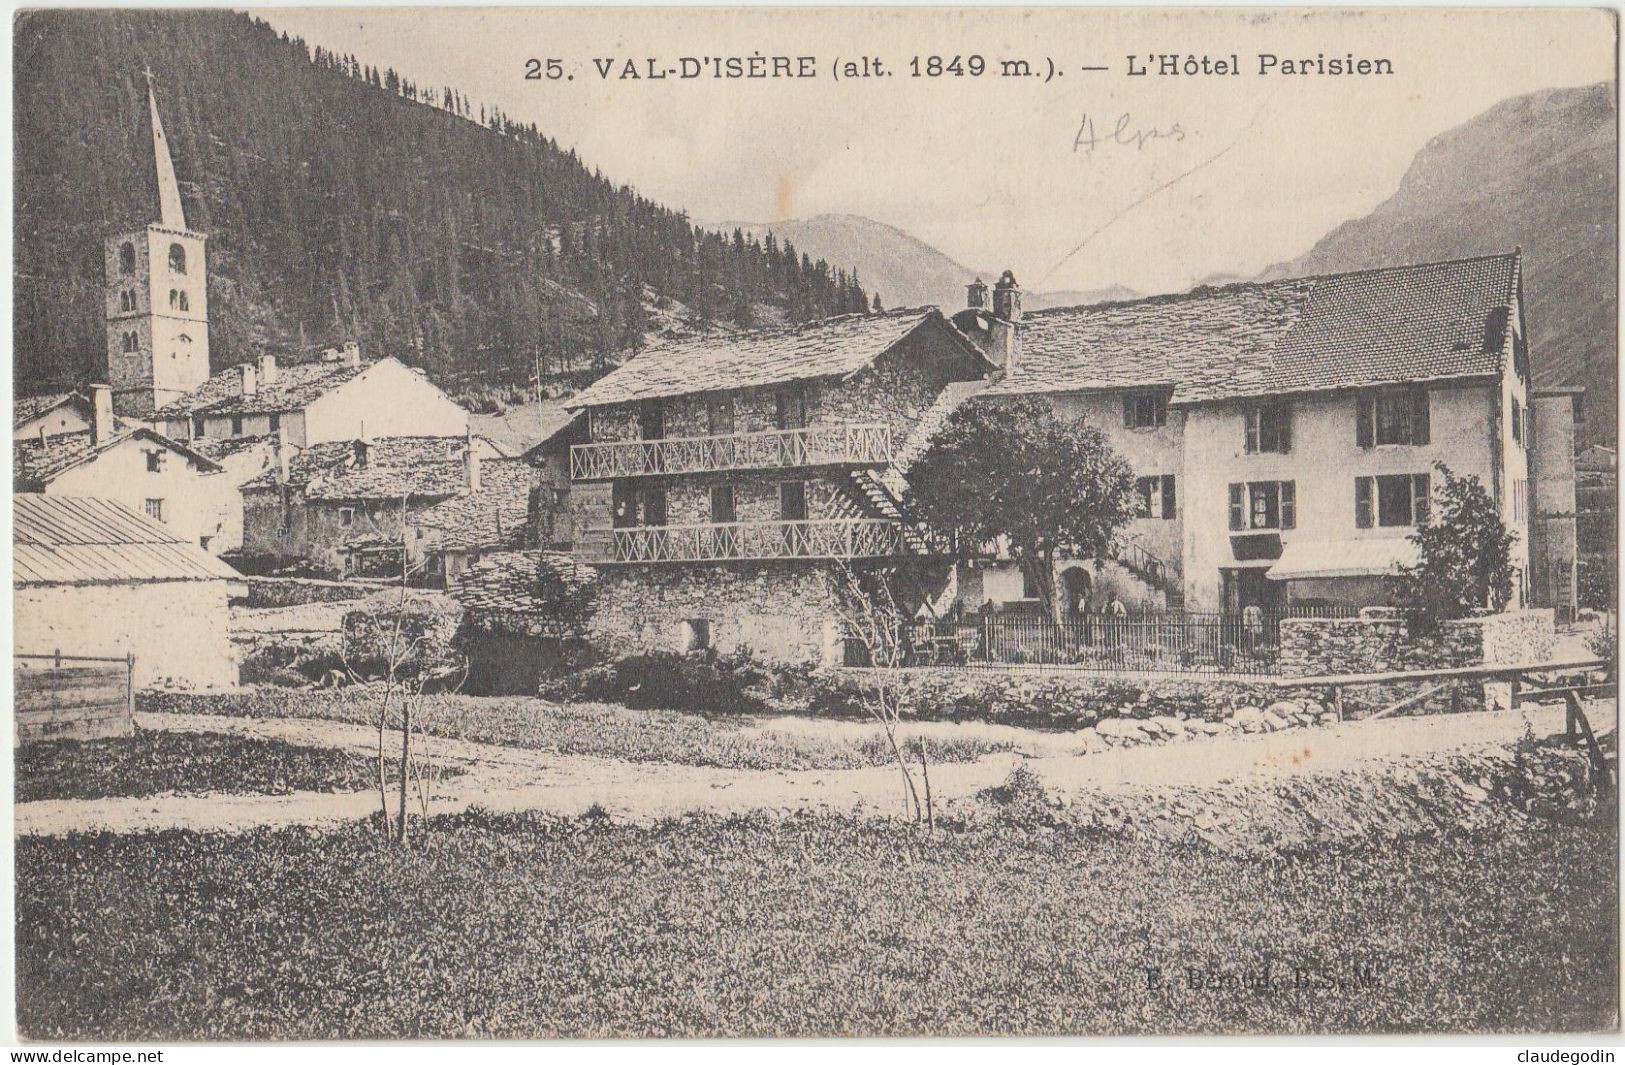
829	347
30	407
494	516
81	540
218	448
27	408
1430	321
388	468
497	591
36	463
297	385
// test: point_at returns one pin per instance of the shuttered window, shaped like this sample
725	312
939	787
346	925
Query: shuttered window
1289	504
1238	507
1393	418
1156	496
1391	501
1269	428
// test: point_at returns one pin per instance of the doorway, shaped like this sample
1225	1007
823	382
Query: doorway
1249	587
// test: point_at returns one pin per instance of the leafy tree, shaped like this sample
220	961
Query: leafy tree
1044	485
1465	553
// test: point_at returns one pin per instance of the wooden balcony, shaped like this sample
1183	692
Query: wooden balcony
747	540
827	445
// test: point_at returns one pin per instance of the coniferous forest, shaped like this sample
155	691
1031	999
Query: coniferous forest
346	202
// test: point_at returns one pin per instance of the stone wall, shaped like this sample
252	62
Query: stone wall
1380	641
784	612
1053	700
293	591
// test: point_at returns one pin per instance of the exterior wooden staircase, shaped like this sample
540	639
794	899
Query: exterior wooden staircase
882	493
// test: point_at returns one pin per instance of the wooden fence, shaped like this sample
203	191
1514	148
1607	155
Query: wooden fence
73	697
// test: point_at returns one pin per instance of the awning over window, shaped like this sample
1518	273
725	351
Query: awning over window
1306	559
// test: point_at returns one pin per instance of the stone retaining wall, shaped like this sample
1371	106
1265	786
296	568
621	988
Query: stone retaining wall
295	591
1380	641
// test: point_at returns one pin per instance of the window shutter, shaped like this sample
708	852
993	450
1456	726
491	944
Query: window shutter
1420	429
1364	417
1128	410
1289	504
1362	502
1252	429
1286	429
1167	497
1238	507
1420	490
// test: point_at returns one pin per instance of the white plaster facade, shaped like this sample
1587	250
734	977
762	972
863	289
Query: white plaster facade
179	631
199	503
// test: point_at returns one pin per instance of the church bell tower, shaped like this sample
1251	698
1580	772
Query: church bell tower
157	298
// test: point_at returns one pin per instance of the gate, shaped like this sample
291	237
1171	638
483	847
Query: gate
73	697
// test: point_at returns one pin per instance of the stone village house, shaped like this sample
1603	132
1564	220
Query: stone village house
352	507
726	479
1284	433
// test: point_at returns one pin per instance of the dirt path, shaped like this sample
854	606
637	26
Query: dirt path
513	779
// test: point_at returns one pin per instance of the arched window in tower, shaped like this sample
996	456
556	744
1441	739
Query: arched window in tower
185	303
126	258
131	345
124	301
174	299
177	259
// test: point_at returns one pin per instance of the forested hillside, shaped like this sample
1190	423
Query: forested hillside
342	201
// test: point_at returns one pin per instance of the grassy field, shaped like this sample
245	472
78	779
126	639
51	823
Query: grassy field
158	763
527	926
599	729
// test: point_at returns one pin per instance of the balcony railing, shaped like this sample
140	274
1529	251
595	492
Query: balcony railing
823	538
831	445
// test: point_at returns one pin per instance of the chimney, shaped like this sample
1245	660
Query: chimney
1007	298
101	414
1004	328
471	465
976	295
247	383
352	354
267	369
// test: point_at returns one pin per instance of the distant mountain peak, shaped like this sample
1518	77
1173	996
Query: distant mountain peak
1536	171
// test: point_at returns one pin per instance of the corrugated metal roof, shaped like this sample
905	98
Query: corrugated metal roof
83	540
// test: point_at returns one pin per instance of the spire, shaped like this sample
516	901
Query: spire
170	213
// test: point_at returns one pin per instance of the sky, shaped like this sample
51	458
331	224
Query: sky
1185	177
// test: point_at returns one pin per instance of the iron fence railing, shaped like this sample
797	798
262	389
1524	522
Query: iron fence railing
823	445
1183	642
